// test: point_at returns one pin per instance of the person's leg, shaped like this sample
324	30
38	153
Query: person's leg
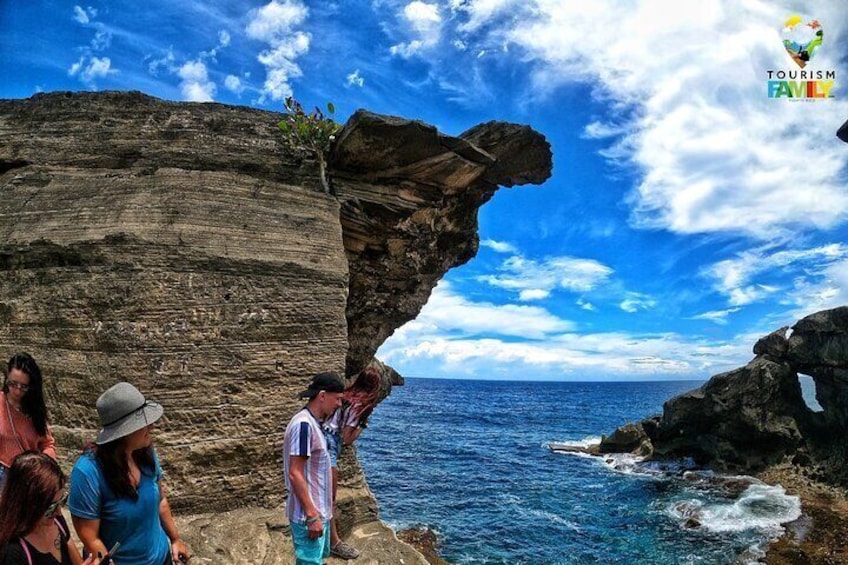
326	538
334	533
336	546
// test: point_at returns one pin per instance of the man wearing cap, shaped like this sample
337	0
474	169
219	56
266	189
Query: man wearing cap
309	507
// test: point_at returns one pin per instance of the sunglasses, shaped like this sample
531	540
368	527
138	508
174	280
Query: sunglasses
15	384
52	508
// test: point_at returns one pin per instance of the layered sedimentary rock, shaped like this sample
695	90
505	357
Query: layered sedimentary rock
756	416
186	249
410	196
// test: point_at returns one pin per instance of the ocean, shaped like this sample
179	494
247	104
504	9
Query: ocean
470	460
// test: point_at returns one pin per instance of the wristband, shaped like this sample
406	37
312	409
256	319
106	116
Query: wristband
310	521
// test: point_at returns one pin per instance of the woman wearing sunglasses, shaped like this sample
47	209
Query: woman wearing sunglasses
23	415
117	495
32	529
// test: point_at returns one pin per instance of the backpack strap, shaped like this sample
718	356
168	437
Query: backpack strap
61	529
26	547
26	550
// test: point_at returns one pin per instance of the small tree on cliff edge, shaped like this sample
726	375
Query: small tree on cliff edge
310	133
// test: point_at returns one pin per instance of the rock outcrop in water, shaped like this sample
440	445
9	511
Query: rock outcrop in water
756	416
187	249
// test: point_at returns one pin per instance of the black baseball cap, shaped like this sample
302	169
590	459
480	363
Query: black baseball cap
330	382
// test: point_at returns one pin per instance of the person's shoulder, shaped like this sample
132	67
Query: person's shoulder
87	464
12	553
299	417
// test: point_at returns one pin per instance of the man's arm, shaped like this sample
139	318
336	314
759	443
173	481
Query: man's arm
350	434
300	489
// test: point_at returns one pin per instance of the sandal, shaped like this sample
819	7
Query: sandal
344	551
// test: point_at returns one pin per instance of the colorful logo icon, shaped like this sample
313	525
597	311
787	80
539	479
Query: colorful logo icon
802	40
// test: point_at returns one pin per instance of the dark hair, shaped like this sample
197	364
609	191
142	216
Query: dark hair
33	402
32	483
113	463
367	381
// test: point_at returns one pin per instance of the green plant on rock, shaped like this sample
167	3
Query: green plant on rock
311	133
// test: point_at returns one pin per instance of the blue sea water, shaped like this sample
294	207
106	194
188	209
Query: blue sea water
470	460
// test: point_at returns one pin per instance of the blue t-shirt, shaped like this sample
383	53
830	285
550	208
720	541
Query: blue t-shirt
135	524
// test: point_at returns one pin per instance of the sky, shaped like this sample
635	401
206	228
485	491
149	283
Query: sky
688	213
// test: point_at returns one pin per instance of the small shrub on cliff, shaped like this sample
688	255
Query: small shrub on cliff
310	133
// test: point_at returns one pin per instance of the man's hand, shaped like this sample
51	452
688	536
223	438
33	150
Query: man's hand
316	528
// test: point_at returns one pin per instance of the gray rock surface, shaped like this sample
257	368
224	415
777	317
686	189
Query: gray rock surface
753	417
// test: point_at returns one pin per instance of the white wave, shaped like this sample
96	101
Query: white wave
524	512
760	506
555	518
574	443
625	463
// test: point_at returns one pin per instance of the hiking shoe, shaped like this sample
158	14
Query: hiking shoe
344	551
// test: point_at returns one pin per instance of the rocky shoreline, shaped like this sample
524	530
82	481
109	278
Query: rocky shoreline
755	421
820	536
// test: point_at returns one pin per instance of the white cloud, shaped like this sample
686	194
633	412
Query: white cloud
90	69
636	301
713	151
167	62
717	316
80	15
274	24
233	84
829	291
586	305
602	130
447	311
424	23
532	277
422	16
455	337
275	20
102	40
355	79
406	50
498	246
481	12
223	38
195	85
737	278
533	294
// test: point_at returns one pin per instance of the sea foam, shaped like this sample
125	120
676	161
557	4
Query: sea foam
760	506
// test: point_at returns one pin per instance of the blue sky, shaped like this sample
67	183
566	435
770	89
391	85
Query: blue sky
688	214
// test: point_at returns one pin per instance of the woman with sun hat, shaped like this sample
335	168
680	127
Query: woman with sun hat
117	495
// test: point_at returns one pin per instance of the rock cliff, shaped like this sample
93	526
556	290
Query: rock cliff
187	249
755	416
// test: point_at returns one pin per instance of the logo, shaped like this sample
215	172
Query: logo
802	41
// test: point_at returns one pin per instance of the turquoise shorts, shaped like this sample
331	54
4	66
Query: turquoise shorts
310	551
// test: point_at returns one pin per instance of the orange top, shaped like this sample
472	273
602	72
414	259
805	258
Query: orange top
17	434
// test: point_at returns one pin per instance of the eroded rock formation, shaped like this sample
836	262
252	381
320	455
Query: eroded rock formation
185	248
410	196
756	416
